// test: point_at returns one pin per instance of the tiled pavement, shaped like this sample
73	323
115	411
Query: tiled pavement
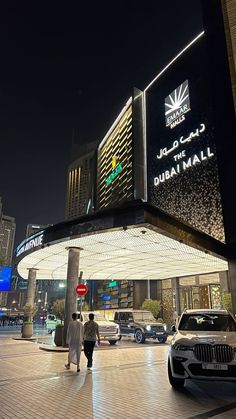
128	383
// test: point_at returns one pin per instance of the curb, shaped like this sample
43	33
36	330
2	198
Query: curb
27	339
51	348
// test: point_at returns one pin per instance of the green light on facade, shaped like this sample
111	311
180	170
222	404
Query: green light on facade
113	174
112	284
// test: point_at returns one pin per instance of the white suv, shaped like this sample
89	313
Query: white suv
203	347
108	330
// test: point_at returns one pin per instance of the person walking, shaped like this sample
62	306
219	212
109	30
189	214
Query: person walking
91	334
74	339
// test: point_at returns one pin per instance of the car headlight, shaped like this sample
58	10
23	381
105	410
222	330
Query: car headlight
180	347
148	328
165	327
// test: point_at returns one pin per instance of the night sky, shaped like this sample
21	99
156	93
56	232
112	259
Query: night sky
73	67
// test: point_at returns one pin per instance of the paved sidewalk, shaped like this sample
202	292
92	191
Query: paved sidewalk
128	383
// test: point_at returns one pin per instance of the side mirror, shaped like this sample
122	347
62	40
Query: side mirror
173	328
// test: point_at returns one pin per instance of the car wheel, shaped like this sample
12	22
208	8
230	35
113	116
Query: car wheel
175	382
139	336
162	340
112	342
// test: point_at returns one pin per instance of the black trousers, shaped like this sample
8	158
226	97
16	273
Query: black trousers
88	352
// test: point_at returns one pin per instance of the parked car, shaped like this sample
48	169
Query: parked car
51	322
109	331
203	347
140	324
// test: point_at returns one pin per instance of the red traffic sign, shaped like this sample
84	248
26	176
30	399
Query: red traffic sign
81	290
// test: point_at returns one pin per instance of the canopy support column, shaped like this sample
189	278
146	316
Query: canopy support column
72	282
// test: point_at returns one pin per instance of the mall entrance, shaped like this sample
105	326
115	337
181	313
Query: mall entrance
203	296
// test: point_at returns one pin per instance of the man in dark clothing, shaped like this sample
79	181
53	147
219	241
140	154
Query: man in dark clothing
91	334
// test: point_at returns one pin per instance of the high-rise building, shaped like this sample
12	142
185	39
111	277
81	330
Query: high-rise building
7	236
34	228
0	207
229	14
80	184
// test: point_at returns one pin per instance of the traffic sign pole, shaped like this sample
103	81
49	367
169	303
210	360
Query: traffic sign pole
80	282
81	291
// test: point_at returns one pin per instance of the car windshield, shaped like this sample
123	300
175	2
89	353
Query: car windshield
143	316
51	317
97	317
207	322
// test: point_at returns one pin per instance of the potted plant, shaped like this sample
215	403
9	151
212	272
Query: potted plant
59	310
27	328
58	338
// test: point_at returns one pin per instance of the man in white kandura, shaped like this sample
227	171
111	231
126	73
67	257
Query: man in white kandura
75	334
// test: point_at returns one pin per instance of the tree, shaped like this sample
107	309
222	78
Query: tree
58	309
85	306
29	311
227	301
153	306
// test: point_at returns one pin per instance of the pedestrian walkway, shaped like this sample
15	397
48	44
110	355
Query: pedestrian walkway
128	383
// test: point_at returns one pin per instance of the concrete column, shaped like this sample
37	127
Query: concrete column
176	296
224	285
31	286
140	292
148	289
27	329
232	281
197	280
72	282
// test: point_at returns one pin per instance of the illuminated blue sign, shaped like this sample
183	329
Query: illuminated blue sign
106	297
5	278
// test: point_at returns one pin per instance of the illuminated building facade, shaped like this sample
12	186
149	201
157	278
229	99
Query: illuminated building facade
182	175
7	237
81	182
164	217
120	160
115	155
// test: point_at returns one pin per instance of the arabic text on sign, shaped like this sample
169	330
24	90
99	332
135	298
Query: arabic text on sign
165	151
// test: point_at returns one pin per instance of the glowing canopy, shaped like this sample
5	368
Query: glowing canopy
138	252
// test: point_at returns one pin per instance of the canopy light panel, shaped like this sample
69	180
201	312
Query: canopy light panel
135	253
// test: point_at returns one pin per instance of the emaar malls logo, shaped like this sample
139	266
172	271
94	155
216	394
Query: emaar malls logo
177	103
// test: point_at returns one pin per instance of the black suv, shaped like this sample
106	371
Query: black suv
140	324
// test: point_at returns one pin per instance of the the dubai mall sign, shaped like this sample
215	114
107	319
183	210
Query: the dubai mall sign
181	161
